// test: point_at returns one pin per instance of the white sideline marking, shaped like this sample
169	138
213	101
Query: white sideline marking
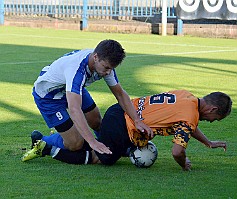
133	42
184	45
24	62
131	56
185	53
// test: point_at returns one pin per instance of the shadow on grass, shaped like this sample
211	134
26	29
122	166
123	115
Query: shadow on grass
22	64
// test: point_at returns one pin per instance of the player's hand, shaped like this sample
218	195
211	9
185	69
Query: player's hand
187	165
216	144
144	128
99	147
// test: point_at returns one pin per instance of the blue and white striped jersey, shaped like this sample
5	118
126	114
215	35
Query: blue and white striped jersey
68	73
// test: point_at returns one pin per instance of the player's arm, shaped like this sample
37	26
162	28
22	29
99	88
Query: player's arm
179	155
125	102
79	120
198	135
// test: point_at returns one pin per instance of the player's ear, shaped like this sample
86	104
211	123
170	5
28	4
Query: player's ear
214	109
95	56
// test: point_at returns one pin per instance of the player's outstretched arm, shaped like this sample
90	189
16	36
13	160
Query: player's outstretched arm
198	135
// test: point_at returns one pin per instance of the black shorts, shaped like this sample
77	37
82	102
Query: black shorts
114	135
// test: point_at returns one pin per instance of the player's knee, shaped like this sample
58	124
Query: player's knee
94	119
95	125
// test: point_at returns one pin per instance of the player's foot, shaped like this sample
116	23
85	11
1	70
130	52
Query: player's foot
35	152
35	136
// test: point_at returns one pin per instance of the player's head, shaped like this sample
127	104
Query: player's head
221	102
110	51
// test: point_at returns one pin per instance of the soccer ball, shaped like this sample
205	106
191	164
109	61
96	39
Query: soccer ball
145	156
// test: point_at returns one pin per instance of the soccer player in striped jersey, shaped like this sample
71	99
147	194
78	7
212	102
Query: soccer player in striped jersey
62	98
175	113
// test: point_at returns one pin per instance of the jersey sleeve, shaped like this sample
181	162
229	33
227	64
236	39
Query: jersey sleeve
111	79
182	134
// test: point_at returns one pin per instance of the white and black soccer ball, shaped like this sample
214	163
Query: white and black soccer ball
145	156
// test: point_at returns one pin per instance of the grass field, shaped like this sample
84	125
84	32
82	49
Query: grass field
153	64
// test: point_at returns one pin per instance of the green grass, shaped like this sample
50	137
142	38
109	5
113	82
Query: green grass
153	64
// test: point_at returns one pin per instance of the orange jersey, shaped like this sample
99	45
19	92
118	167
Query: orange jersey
165	114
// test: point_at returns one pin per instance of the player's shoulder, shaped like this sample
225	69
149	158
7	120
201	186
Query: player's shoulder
85	52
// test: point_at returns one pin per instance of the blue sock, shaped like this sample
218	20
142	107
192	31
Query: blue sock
54	140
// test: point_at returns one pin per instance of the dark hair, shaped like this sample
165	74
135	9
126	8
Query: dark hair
221	100
111	51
